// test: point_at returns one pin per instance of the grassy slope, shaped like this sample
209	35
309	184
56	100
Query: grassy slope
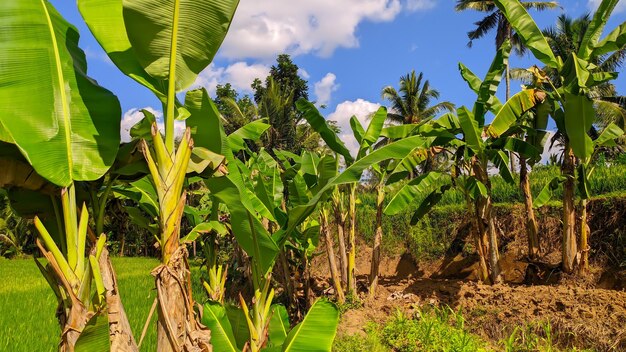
27	305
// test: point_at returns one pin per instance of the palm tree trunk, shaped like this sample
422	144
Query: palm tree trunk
532	229
375	265
334	273
569	212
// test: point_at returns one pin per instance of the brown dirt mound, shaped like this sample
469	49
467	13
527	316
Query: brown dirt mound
579	317
589	313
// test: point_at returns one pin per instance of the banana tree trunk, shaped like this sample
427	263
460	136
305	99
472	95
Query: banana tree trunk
532	229
351	243
73	315
569	212
480	244
120	333
486	223
341	239
375	265
177	326
584	239
330	252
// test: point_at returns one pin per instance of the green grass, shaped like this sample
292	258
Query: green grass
437	330
27	304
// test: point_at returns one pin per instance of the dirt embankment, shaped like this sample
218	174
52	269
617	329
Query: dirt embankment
589	312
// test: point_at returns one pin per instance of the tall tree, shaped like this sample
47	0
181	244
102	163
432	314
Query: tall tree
277	95
412	103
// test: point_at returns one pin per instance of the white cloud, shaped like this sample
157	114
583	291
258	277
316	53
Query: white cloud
360	108
240	75
263	29
324	88
620	7
420	5
132	116
303	74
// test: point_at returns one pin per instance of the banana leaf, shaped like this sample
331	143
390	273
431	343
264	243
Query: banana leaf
316	332
65	124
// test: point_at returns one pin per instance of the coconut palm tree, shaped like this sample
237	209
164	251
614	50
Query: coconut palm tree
495	19
411	104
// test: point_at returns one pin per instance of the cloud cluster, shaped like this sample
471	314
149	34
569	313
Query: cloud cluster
132	116
324	89
262	29
360	108
420	5
239	74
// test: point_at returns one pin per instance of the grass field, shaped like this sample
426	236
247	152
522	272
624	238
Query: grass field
27	305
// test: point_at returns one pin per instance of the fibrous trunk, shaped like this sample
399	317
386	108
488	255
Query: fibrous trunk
532	229
334	273
351	243
569	213
486	224
375	265
73	315
481	245
584	238
341	238
177	327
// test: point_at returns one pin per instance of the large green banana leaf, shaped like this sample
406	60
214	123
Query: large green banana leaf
251	131
319	125
248	230
95	335
547	191
475	83
373	130
595	28
579	117
106	22
279	325
316	332
239	324
65	124
186	32
608	136
512	111
357	129
527	30
353	173
612	42
471	130
417	188
216	319
489	85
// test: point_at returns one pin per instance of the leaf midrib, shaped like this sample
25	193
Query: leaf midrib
63	93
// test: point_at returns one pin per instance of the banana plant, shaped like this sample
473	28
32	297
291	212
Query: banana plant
572	109
474	155
44	72
164	46
366	141
355	166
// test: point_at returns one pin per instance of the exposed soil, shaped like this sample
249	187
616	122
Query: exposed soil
583	313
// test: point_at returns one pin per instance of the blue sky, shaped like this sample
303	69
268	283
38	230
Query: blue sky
348	50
